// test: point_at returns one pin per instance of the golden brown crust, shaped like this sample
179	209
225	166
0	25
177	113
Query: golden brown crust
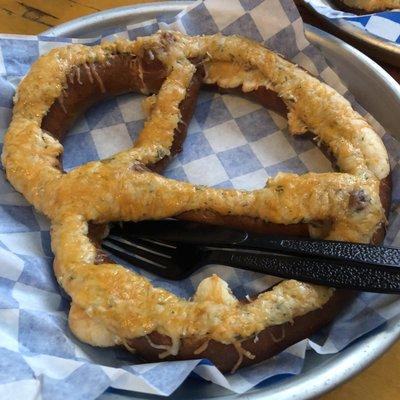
186	107
343	7
245	223
361	7
120	75
112	305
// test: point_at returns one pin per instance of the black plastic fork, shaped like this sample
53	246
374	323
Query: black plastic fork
178	260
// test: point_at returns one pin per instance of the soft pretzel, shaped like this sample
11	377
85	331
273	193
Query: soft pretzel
111	305
367	6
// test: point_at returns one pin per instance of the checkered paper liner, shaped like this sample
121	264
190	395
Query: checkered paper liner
231	143
385	24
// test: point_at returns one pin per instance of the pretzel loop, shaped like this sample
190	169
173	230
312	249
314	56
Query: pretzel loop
111	304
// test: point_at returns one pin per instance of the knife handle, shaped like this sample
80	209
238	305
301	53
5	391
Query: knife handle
334	273
342	251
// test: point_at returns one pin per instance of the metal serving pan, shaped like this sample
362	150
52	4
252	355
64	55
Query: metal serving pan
367	42
380	97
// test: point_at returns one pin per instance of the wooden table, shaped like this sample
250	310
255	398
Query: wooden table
380	381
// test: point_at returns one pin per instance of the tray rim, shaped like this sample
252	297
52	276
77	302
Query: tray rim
354	358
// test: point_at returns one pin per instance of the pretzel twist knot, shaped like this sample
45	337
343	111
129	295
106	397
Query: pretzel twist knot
113	305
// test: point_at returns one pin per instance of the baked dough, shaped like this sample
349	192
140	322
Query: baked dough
372	5
111	304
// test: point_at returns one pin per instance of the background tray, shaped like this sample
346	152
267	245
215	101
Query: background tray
374	46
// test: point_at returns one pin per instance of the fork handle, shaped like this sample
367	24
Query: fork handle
339	274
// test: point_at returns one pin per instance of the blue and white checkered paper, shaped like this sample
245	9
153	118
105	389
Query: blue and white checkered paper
231	143
385	24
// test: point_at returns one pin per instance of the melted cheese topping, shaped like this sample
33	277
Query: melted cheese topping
110	303
373	5
228	75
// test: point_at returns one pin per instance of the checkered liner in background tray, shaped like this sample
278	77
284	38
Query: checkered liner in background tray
384	25
231	143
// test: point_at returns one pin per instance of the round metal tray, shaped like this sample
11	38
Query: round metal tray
373	45
380	97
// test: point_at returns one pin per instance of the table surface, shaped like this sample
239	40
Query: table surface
379	381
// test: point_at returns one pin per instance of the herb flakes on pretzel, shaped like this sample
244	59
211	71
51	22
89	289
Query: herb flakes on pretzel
111	305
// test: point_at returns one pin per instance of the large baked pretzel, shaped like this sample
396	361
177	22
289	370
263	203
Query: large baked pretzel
367	6
112	305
